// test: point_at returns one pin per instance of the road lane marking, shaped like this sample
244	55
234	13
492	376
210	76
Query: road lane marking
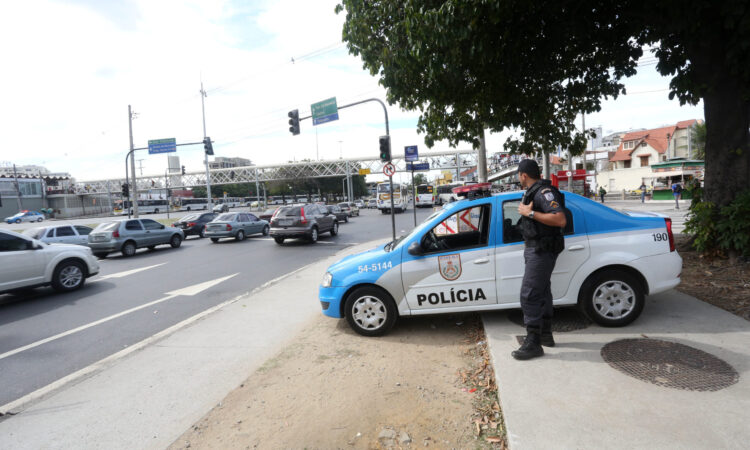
126	273
189	291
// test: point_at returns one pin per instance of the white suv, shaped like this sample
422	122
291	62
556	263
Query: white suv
27	263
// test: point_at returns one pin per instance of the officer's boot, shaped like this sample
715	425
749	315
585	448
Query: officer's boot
547	340
531	347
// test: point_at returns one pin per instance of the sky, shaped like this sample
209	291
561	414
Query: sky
71	68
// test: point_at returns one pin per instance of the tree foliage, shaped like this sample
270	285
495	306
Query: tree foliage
532	66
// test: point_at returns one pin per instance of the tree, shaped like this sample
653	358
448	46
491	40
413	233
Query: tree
532	66
699	140
420	178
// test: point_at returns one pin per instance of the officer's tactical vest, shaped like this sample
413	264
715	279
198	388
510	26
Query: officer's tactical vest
536	234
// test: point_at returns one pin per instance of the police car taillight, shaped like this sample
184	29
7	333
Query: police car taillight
669	233
473	190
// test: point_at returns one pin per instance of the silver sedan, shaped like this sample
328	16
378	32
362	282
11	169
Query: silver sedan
60	234
235	225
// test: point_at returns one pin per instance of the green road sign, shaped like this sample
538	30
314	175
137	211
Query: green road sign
325	111
162	146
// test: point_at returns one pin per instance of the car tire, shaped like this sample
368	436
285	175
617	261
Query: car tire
128	249
240	236
279	240
335	229
202	233
175	241
266	230
68	276
100	255
18	220
370	311
612	298
40	219
188	209
156	211
214	240
313	235
346	219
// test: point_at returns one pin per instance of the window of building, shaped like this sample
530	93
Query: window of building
626	164
644	161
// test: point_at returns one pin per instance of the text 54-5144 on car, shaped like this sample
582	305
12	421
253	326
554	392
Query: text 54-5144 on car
469	257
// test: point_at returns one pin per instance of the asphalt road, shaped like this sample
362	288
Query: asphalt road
45	336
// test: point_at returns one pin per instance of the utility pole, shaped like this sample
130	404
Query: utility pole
208	171
482	158
133	187
140	165
18	189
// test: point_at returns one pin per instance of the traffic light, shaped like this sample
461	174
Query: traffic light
183	170
231	174
125	190
385	148
207	146
294	122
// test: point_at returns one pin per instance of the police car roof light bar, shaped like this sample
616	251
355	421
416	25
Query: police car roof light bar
471	191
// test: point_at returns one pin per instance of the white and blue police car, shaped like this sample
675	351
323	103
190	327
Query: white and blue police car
469	257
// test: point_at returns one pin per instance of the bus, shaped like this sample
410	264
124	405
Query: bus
400	197
425	195
231	202
445	193
191	204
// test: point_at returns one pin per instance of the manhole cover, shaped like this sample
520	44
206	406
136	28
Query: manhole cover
669	364
565	319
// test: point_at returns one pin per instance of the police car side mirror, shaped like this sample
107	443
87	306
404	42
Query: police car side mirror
415	249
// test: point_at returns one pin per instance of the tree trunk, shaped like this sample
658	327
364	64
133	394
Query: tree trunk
727	142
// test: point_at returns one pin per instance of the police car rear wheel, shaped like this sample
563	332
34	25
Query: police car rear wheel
370	311
612	298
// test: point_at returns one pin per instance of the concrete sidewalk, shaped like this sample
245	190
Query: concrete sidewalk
572	398
148	398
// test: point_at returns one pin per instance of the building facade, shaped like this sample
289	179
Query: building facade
630	165
222	162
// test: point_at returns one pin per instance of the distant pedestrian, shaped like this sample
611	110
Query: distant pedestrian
643	192
602	193
677	193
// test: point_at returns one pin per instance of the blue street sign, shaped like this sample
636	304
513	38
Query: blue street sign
411	153
162	146
417	166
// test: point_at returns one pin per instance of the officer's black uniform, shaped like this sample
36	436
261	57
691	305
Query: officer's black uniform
543	244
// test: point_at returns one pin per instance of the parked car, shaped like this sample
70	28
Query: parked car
236	225
195	224
305	221
220	208
27	263
60	234
336	211
469	256
267	214
372	204
25	216
127	235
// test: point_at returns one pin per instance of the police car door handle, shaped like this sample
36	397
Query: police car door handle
481	261
573	248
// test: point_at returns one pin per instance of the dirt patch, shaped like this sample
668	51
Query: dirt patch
717	281
429	383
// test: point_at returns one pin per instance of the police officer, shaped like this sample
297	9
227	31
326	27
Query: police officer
543	220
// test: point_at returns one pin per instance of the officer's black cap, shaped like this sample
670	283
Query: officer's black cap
530	168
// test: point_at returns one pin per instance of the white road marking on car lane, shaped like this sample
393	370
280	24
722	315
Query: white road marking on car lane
126	272
190	291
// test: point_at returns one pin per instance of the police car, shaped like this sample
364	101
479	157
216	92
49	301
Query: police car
469	257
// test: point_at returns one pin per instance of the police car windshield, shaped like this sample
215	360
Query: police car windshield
418	229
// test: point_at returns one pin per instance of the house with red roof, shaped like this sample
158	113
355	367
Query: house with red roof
630	165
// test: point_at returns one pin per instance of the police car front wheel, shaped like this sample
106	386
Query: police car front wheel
370	311
612	298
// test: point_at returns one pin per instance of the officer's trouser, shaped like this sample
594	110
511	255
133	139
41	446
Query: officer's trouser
536	292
